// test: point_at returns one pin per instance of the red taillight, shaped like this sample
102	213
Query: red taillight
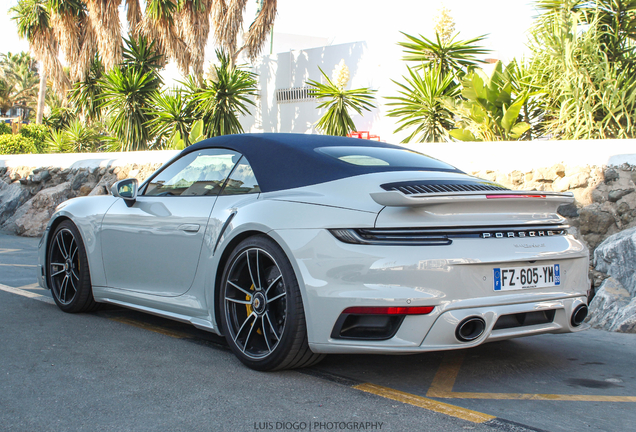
514	196
400	310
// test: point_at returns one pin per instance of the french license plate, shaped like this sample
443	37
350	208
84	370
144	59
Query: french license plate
516	278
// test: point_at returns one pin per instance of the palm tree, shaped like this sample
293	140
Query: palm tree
85	96
20	81
338	101
127	95
450	55
418	107
6	100
172	113
33	21
128	92
219	101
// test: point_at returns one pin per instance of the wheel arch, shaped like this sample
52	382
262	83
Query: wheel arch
221	268
51	229
226	254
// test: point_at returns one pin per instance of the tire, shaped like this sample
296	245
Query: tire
261	308
67	270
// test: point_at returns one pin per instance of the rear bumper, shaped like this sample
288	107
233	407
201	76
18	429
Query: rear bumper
438	331
456	280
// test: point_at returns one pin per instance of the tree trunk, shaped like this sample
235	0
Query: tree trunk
41	95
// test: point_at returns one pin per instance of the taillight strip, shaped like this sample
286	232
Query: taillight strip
514	196
390	310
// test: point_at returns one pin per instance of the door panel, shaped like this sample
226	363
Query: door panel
154	245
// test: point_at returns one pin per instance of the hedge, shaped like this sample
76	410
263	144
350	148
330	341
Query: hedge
17	144
37	132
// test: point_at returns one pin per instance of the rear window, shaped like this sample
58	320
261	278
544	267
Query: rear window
384	157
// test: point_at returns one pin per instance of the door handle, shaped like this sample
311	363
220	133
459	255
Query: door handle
191	228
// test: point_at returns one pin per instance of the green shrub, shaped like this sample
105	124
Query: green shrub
5	128
17	144
37	133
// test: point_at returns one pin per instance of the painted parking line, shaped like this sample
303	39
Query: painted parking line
444	381
23	291
153	328
17	265
3	250
34	286
422	402
29	294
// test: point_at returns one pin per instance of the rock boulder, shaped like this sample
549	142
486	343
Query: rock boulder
613	308
31	218
11	197
616	256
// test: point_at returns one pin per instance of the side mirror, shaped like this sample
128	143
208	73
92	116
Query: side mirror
126	189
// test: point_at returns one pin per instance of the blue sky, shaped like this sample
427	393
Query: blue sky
341	21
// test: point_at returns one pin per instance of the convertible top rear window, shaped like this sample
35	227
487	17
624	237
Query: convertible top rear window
379	156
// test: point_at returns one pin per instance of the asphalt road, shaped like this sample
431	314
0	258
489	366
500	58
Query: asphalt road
126	371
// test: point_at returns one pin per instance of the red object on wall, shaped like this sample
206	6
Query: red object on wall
363	135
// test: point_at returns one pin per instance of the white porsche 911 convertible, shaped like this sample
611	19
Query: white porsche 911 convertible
295	246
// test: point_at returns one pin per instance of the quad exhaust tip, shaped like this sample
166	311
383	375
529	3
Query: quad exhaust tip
579	315
470	329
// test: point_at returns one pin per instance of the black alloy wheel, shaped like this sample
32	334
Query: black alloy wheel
67	270
261	308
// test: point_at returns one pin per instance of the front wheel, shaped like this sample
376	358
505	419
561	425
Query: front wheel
261	308
67	270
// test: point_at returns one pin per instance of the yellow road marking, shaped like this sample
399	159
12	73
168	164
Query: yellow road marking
422	402
32	286
18	265
152	328
2	250
444	380
28	294
446	375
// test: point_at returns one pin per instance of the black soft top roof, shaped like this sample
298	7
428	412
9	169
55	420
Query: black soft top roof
285	161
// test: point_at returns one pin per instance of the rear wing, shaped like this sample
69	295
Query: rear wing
398	199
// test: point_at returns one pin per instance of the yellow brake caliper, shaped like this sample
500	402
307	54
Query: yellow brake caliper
249	309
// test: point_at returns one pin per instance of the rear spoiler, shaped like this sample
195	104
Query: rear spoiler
398	199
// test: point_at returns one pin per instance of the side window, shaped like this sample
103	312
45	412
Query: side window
242	180
196	174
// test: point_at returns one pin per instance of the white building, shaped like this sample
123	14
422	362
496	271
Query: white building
283	104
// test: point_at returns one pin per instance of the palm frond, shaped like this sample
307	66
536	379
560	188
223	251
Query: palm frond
104	19
194	28
259	29
452	56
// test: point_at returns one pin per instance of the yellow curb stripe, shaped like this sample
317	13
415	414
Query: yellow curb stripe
445	377
28	294
422	402
152	328
529	396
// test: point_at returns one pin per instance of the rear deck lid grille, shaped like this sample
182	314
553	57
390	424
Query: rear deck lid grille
442	186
